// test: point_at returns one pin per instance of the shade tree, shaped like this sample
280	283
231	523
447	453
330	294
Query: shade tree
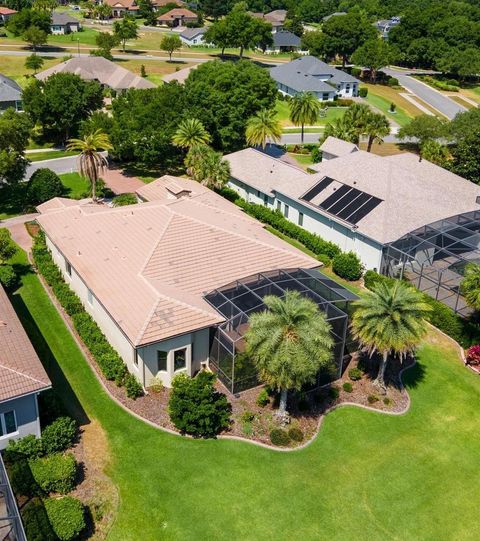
34	62
15	131
374	54
125	29
170	43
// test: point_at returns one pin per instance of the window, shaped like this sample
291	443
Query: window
8	423
68	268
90	296
265	199
300	218
135	358
179	359
162	360
279	205
258	194
326	96
285	212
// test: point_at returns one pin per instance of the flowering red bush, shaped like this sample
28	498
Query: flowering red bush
473	355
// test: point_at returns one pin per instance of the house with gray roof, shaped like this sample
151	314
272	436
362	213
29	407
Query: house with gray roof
309	74
193	36
10	94
284	42
62	23
385	25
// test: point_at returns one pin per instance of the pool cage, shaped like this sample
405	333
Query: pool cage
434	258
236	301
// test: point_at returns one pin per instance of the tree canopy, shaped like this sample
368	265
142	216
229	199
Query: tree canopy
125	29
15	129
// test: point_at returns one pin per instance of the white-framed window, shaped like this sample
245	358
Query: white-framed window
285	212
162	357
300	218
179	359
279	205
68	268
89	296
8	423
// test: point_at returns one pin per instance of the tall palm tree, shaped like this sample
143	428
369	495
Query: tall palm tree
190	132
376	129
91	162
289	343
207	166
390	320
341	129
470	286
358	116
264	125
304	109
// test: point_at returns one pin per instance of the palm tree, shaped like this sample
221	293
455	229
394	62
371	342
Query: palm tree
358	116
376	129
264	125
341	129
190	132
90	161
207	166
390	320
304	109
289	343
470	286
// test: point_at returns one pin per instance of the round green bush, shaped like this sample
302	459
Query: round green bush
323	258
393	81
43	185
59	435
347	387
372	399
280	437
26	447
355	374
67	517
36	523
363	92
132	386
348	266
263	398
334	392
54	473
8	278
295	434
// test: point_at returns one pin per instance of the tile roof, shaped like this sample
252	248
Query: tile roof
337	147
126	4
7	11
62	19
150	264
97	68
21	371
59	203
177	13
190	33
10	90
284	38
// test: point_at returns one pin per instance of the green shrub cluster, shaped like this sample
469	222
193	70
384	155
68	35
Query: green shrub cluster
450	85
280	437
263	399
295	434
372	398
36	523
104	354
67	517
124	199
348	266
355	374
393	81
348	387
54	473
8	278
363	92
333	392
22	480
59	435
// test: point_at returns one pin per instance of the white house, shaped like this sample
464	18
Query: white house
309	74
62	23
193	36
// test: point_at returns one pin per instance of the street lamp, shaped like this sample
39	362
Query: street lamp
78	46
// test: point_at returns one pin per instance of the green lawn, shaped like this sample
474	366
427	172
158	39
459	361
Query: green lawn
367	476
283	114
400	116
51	155
75	185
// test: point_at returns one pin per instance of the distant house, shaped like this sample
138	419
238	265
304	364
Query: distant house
10	94
385	25
120	8
62	23
177	17
22	378
97	68
284	42
158	4
276	18
6	13
193	36
309	74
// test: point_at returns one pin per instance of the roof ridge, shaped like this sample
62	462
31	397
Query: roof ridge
272	158
162	234
22	374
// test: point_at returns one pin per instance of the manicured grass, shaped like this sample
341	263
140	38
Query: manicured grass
14	67
75	185
86	37
51	155
400	116
155	69
458	98
303	159
283	114
390	95
385	149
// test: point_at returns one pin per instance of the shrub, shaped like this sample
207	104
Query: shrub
372	398
133	386
8	278
355	374
124	199
316	154
196	408
295	434
247	416
393	81
156	385
27	447
393	107
333	392
280	437
387	401
36	523
7	246
348	266
347	387
43	185
59	435
66	515
263	398
323	258
22	480
363	92
54	473
473	355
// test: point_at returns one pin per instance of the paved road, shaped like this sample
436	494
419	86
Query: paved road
59	165
295	138
442	103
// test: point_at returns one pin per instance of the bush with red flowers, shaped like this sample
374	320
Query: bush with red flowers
473	355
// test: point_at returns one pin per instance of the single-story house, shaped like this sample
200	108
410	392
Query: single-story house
380	207
22	378
10	94
333	147
193	36
284	42
154	276
6	13
120	8
385	25
276	18
309	74
158	4
62	23
97	68
177	17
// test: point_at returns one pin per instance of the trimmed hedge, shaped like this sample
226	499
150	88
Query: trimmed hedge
59	435
54	473
8	278
347	266
67	517
109	361
36	523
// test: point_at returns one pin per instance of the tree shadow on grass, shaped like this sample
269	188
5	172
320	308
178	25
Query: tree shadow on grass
414	375
55	373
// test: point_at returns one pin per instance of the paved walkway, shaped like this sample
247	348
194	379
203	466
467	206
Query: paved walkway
19	232
120	183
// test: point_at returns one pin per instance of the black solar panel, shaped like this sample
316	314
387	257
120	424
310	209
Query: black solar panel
317	189
329	201
364	210
344	201
362	198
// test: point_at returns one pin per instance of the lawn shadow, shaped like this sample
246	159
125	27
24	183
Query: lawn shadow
55	373
414	375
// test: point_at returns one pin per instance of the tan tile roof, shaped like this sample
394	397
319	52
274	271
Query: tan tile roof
58	203
150	264
7	11
21	371
177	13
337	147
127	4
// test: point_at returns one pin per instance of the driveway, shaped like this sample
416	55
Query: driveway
435	99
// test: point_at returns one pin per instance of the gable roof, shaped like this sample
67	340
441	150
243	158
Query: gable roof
284	38
177	13
126	4
190	33
62	19
21	371
276	17
337	147
150	264
97	68
7	11
10	90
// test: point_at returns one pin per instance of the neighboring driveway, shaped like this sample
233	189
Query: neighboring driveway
119	182
59	165
434	98
17	229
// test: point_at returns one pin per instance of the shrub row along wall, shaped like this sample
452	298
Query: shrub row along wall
109	361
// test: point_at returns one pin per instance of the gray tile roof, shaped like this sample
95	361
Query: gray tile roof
190	33
9	89
284	38
62	19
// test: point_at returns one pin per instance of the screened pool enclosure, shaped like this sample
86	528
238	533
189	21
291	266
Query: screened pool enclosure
236	301
434	258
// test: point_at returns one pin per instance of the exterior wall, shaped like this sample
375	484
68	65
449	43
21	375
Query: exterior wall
57	29
26	415
347	90
322	96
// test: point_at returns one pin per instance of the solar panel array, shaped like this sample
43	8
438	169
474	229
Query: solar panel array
346	203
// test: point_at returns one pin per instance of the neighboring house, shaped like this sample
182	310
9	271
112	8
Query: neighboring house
10	94
275	18
375	206
284	42
385	25
309	74
22	378
6	13
159	4
97	68
62	23
177	17
120	8
154	275
193	36
336	148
